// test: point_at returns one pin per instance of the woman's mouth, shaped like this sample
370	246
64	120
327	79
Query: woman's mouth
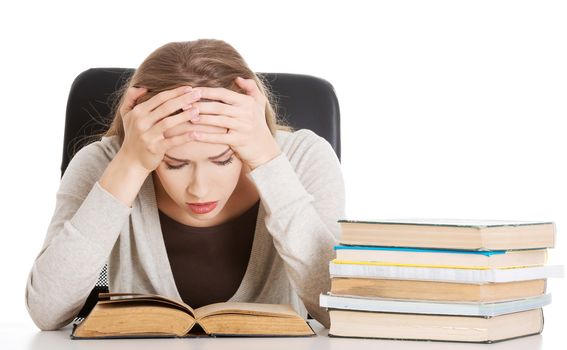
202	208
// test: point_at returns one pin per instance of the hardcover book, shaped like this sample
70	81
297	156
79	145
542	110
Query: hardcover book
449	233
134	315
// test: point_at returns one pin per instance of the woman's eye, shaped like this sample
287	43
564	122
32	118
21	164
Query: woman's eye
174	166
225	162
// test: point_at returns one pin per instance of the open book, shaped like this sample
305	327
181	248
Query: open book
134	315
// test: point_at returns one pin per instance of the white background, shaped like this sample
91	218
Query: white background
450	109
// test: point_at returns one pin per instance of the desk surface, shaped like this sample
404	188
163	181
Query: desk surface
34	339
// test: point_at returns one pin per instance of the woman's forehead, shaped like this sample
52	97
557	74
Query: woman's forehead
196	150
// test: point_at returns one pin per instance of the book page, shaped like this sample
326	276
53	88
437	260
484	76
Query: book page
281	310
121	297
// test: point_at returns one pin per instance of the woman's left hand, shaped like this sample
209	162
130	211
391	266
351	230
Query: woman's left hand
244	117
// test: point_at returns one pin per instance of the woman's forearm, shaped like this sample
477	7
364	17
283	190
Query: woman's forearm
302	215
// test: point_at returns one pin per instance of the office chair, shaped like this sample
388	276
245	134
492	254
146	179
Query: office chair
303	102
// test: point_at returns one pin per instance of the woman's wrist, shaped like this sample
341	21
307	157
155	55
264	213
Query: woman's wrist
273	153
123	178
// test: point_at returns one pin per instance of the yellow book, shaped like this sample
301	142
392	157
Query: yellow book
381	263
446	258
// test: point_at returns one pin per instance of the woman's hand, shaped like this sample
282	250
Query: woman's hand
145	123
244	117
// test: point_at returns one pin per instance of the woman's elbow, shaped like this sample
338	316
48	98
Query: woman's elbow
41	313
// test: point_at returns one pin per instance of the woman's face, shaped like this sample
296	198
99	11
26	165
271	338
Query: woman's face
187	175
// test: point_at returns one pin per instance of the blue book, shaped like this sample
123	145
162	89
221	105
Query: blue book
421	250
441	258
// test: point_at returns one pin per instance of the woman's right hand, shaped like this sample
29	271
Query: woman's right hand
145	123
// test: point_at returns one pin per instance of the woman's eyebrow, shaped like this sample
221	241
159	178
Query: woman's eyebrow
210	158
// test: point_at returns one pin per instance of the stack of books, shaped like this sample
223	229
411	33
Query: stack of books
437	279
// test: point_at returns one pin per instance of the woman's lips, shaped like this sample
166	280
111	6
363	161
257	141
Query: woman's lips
202	208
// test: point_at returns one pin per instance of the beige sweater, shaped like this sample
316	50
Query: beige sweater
302	196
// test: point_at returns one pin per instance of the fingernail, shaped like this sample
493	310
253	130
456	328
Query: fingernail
187	107
188	89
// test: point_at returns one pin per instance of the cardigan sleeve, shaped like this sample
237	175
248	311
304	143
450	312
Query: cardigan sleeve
84	227
303	206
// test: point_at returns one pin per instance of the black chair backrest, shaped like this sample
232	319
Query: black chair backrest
303	102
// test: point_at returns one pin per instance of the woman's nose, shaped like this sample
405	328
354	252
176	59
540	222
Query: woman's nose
197	187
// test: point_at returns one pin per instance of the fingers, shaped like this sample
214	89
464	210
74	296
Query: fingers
217	108
183	102
188	135
130	97
218	120
185	127
251	88
174	141
169	122
207	137
221	94
165	96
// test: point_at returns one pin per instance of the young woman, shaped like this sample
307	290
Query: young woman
195	193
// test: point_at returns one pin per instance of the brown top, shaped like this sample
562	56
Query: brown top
208	263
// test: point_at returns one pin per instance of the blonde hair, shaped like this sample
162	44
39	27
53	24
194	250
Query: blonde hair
203	62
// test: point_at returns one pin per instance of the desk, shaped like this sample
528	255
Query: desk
18	338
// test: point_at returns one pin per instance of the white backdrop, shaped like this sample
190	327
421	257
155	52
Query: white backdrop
449	109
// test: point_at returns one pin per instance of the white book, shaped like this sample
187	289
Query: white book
423	307
472	276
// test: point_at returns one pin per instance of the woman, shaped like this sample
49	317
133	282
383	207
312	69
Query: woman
200	122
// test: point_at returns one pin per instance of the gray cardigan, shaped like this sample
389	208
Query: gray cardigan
302	196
